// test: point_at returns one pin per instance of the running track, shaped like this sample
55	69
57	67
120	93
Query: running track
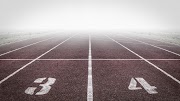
90	67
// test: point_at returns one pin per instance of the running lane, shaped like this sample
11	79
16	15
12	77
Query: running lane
167	61
103	48
8	67
34	51
12	46
116	80
146	51
70	84
75	48
70	76
165	45
111	80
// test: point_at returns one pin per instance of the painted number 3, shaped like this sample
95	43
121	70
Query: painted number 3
45	87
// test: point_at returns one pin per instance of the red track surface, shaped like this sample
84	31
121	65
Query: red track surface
113	66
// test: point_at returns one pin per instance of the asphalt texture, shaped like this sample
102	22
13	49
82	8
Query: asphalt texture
116	59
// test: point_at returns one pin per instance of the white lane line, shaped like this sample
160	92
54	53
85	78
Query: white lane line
33	61
86	59
154	46
25	46
90	84
173	78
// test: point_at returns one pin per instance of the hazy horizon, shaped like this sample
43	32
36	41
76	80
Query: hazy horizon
90	15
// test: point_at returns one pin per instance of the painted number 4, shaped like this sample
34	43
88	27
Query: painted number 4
133	85
45	87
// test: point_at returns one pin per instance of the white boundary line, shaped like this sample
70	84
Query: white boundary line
25	46
154	46
173	78
6	78
90	84
85	59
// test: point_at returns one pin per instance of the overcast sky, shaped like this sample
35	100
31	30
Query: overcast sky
90	14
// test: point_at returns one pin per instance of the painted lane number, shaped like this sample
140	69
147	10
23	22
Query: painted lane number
45	87
133	85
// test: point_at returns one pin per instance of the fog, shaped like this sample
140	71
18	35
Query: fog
91	15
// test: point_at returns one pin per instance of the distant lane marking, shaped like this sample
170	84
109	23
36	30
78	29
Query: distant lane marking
90	84
133	85
132	43
22	40
147	61
85	59
162	41
25	46
154	46
15	41
33	61
165	46
45	87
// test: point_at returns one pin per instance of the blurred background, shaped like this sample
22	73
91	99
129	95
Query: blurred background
111	15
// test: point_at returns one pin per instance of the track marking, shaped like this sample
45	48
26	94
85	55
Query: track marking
133	85
132	43
45	87
171	43
164	46
20	40
15	41
150	89
25	46
90	84
173	78
86	59
33	61
154	46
